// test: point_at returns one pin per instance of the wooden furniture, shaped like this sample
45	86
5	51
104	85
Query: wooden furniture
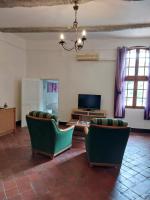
80	127
81	119
86	116
7	120
77	123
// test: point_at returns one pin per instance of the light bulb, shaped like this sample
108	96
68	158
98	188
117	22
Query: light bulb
62	37
84	33
79	41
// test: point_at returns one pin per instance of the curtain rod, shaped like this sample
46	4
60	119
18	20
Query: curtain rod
138	47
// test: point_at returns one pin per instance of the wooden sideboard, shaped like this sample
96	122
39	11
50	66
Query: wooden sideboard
83	115
7	120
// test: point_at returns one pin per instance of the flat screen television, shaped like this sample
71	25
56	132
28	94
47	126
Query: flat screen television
89	101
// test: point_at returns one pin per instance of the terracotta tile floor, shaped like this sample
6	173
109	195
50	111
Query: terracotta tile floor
68	176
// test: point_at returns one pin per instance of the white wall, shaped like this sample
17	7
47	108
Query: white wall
45	59
12	70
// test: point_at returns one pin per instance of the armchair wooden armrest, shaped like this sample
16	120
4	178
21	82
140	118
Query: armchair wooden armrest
67	129
86	130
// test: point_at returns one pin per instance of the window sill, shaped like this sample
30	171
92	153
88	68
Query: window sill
131	107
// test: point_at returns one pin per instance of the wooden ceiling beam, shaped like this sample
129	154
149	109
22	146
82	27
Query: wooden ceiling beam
35	3
100	28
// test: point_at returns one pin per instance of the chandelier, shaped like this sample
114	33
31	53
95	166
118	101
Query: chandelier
78	43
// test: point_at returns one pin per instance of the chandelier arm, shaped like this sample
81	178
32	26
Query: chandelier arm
68	49
75	45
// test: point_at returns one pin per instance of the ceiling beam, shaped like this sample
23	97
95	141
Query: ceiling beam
35	3
100	28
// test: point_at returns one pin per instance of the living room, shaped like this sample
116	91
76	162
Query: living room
39	56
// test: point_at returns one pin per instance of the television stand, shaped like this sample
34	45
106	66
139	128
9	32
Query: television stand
88	109
87	115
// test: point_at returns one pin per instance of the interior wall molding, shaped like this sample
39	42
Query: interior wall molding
33	3
139	130
99	28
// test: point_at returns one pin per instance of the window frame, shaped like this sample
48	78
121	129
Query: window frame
135	78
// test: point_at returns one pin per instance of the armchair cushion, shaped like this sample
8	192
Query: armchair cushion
41	114
109	122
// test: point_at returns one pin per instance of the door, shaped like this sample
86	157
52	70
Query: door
32	93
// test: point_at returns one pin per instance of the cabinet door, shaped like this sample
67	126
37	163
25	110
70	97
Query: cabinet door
7	121
31	97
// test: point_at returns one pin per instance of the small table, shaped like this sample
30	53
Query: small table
72	122
78	123
81	126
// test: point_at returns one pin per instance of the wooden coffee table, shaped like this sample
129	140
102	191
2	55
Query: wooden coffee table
78	123
80	126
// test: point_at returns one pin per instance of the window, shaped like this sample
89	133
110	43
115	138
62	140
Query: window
137	71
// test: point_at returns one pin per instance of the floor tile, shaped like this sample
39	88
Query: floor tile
68	176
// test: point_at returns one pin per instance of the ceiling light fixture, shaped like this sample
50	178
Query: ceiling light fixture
79	41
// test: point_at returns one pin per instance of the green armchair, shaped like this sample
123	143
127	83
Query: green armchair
106	141
46	137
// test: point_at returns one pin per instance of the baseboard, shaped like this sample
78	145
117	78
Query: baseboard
18	123
140	130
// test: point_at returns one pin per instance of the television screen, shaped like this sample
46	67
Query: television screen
89	101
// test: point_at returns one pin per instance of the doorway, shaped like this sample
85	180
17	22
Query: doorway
50	96
39	95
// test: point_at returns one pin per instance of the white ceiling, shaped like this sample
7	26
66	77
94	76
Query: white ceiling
97	12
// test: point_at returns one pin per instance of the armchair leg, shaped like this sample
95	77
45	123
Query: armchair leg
51	156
